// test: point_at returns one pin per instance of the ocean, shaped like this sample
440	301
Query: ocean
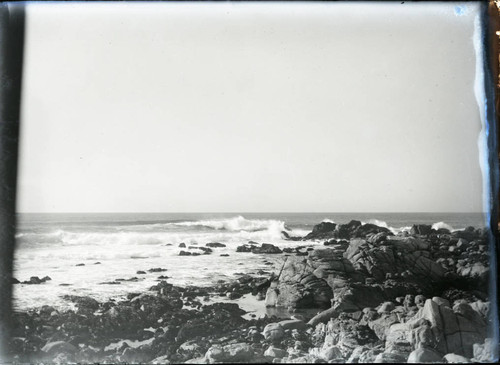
84	253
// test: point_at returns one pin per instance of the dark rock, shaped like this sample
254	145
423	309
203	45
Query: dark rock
185	253
244	248
421	229
37	280
157	269
182	245
206	250
140	272
80	265
266	248
224	255
215	245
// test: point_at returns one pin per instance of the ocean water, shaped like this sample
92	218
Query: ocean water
123	243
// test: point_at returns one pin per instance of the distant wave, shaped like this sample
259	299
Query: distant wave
231	230
237	224
395	230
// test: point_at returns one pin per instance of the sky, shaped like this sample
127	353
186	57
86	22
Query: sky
233	107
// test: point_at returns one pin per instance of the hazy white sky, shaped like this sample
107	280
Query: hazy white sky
250	107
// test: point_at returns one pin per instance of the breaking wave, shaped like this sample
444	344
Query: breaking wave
440	225
237	224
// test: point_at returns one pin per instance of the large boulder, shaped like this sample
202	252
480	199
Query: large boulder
322	230
298	286
267	248
421	229
273	332
441	328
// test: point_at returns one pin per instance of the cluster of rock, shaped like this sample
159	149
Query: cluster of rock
32	280
419	296
168	323
377	288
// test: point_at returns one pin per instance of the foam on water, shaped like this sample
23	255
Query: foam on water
53	246
439	225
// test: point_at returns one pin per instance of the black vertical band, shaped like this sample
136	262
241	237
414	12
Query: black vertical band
12	18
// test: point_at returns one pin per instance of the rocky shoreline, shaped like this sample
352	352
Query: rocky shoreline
419	296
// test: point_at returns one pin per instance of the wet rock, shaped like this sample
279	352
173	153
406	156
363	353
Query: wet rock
36	280
244	248
80	265
185	253
224	255
157	269
206	250
321	230
84	303
215	245
267	248
182	245
140	272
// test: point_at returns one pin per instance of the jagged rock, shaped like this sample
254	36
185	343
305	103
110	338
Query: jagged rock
298	287
275	352
421	229
321	230
37	280
440	328
86	304
266	248
244	248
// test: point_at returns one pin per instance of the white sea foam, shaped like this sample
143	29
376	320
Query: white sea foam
439	225
238	223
